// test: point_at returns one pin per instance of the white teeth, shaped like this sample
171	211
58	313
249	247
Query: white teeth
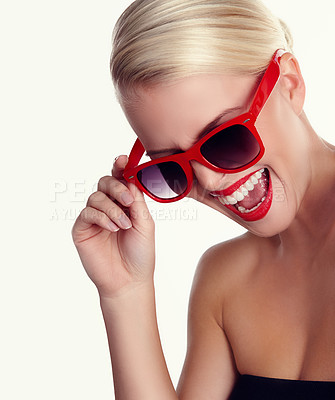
231	200
238	195
223	201
242	192
249	185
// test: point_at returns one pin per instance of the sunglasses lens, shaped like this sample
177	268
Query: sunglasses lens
231	148
165	180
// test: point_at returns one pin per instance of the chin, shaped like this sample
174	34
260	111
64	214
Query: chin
274	218
277	220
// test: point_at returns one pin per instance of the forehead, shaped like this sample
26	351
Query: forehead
171	115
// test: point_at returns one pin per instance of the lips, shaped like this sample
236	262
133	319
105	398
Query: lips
250	197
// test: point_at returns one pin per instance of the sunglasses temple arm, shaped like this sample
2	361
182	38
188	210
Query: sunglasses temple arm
135	155
267	84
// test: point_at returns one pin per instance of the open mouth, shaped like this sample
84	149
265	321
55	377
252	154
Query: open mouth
250	198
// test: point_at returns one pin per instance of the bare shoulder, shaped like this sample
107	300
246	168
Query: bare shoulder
234	257
224	266
210	370
243	249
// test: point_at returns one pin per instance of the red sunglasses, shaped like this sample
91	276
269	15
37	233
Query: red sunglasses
233	146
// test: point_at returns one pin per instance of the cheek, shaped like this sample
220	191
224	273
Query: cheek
273	124
287	155
198	193
281	130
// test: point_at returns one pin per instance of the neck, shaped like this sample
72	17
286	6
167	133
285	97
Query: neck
314	223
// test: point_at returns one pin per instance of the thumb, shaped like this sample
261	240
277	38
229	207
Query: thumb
139	212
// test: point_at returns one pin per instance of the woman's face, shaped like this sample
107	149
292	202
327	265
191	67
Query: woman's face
169	118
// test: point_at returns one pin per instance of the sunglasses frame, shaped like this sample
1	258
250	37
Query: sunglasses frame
248	119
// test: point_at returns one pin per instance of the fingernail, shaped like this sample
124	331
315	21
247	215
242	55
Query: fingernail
125	222
116	158
127	198
113	227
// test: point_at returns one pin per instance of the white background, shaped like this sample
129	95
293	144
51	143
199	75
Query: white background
61	129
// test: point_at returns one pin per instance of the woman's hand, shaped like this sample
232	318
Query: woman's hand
117	252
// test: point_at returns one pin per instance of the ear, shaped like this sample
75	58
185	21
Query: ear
292	83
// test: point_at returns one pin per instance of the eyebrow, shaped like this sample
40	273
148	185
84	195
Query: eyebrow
209	127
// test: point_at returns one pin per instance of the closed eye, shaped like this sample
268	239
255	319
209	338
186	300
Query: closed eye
161	154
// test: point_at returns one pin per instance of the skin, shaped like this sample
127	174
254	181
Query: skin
261	304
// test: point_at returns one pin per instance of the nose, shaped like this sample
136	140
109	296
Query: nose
210	180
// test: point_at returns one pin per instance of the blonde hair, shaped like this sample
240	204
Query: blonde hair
157	41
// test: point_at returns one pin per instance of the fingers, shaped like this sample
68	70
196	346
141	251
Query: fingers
116	189
138	210
118	167
114	200
90	216
101	202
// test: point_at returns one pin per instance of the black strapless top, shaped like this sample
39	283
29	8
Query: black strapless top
251	387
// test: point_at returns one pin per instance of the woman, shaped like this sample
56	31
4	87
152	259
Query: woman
216	98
